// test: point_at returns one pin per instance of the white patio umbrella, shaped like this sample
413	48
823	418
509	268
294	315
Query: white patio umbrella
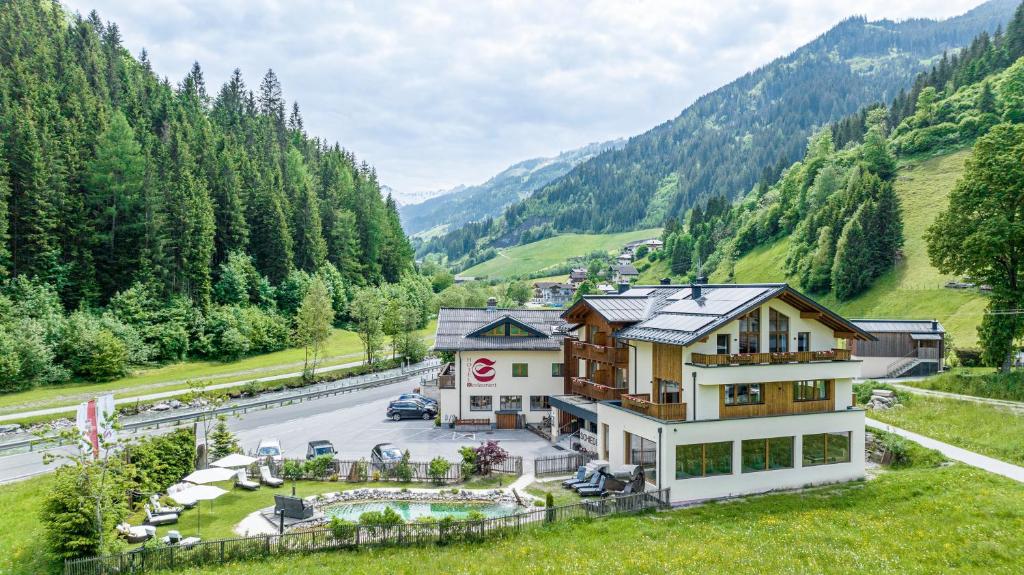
234	460
200	493
211	475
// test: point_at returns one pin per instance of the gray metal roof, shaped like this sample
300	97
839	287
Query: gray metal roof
454	325
898	325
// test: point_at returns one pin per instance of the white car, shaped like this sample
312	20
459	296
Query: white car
270	448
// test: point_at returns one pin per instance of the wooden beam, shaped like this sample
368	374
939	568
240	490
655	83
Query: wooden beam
811	314
844	334
703	339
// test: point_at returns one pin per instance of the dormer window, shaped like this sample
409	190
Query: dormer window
506	327
496	331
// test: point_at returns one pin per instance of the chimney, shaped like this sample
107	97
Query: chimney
666	281
701	280
623	286
695	290
492	303
935	325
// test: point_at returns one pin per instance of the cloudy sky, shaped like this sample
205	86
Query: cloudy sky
439	93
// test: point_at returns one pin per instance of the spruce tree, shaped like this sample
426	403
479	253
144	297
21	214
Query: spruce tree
849	269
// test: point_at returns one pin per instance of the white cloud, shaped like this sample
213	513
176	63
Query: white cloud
437	93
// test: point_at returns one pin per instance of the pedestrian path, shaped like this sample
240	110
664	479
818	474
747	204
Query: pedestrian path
1015	405
971	458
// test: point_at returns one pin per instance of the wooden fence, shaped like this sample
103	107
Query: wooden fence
148	559
566	463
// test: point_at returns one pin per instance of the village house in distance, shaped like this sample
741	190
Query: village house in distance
715	390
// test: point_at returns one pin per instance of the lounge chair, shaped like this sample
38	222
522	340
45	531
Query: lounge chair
161	519
593	480
268	477
590	475
596	490
293	507
161	509
581	473
242	480
136	534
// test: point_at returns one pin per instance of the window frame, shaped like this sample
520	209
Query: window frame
545	403
525	367
490	403
728	344
557	369
766	453
778	339
825	441
750	331
803	341
799	397
725	394
503	398
704	459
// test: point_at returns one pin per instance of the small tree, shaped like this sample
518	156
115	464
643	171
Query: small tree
488	455
403	471
319	466
313	323
438	469
292	470
468	461
366	310
222	441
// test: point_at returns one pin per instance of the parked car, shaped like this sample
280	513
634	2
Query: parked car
384	454
270	448
408	409
319	447
419	397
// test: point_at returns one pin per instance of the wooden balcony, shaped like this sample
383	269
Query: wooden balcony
725	359
593	390
446	379
642	403
600	353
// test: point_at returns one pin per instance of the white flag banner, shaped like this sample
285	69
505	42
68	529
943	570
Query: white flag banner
94	425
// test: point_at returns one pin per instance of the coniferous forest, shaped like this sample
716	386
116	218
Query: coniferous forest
155	220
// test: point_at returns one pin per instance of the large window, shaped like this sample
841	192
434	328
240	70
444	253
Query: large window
778	332
750	332
743	394
825	448
511	402
520	369
703	459
479	403
557	369
516	331
722	343
767	454
539	403
803	341
643	452
496	331
812	390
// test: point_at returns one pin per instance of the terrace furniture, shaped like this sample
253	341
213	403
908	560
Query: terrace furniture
595	490
580	475
160	519
293	507
174	538
242	480
592	468
186	502
137	533
268	477
161	509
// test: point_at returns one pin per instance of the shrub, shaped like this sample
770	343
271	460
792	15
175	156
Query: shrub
969	357
342	530
319	466
160	461
360	471
222	441
69	511
864	389
468	469
403	471
438	469
385	518
292	470
488	455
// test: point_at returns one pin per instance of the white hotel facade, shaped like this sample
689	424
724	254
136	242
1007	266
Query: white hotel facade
716	390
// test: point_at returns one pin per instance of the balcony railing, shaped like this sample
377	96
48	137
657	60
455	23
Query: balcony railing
601	353
593	390
724	359
642	403
446	380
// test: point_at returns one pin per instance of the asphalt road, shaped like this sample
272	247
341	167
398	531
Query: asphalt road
354	422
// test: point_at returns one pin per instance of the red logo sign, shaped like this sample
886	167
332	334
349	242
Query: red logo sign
483	369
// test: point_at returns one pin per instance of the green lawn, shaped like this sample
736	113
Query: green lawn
342	347
536	257
994	431
914	288
950	519
562	495
979	382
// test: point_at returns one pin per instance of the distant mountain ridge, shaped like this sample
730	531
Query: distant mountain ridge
727	140
463	203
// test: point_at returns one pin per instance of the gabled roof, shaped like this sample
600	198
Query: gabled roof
899	325
456	328
548	285
506	320
627	270
669	314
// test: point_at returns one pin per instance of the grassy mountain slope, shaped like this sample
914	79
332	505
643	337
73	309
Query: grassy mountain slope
470	203
536	257
913	289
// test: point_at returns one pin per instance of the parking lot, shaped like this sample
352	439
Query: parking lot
355	422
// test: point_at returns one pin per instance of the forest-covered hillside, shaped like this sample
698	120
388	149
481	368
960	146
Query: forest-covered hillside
168	219
746	131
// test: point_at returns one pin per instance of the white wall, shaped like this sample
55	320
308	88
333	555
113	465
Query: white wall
737	430
538	382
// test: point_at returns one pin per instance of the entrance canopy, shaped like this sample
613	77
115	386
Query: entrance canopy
579	406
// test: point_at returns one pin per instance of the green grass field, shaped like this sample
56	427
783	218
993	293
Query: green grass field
914	288
342	347
994	431
520	261
976	381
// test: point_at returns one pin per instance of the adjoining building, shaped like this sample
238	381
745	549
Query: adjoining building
716	390
506	364
624	274
901	348
553	294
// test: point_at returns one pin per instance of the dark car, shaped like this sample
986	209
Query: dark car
411	409
318	448
417	397
385	454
